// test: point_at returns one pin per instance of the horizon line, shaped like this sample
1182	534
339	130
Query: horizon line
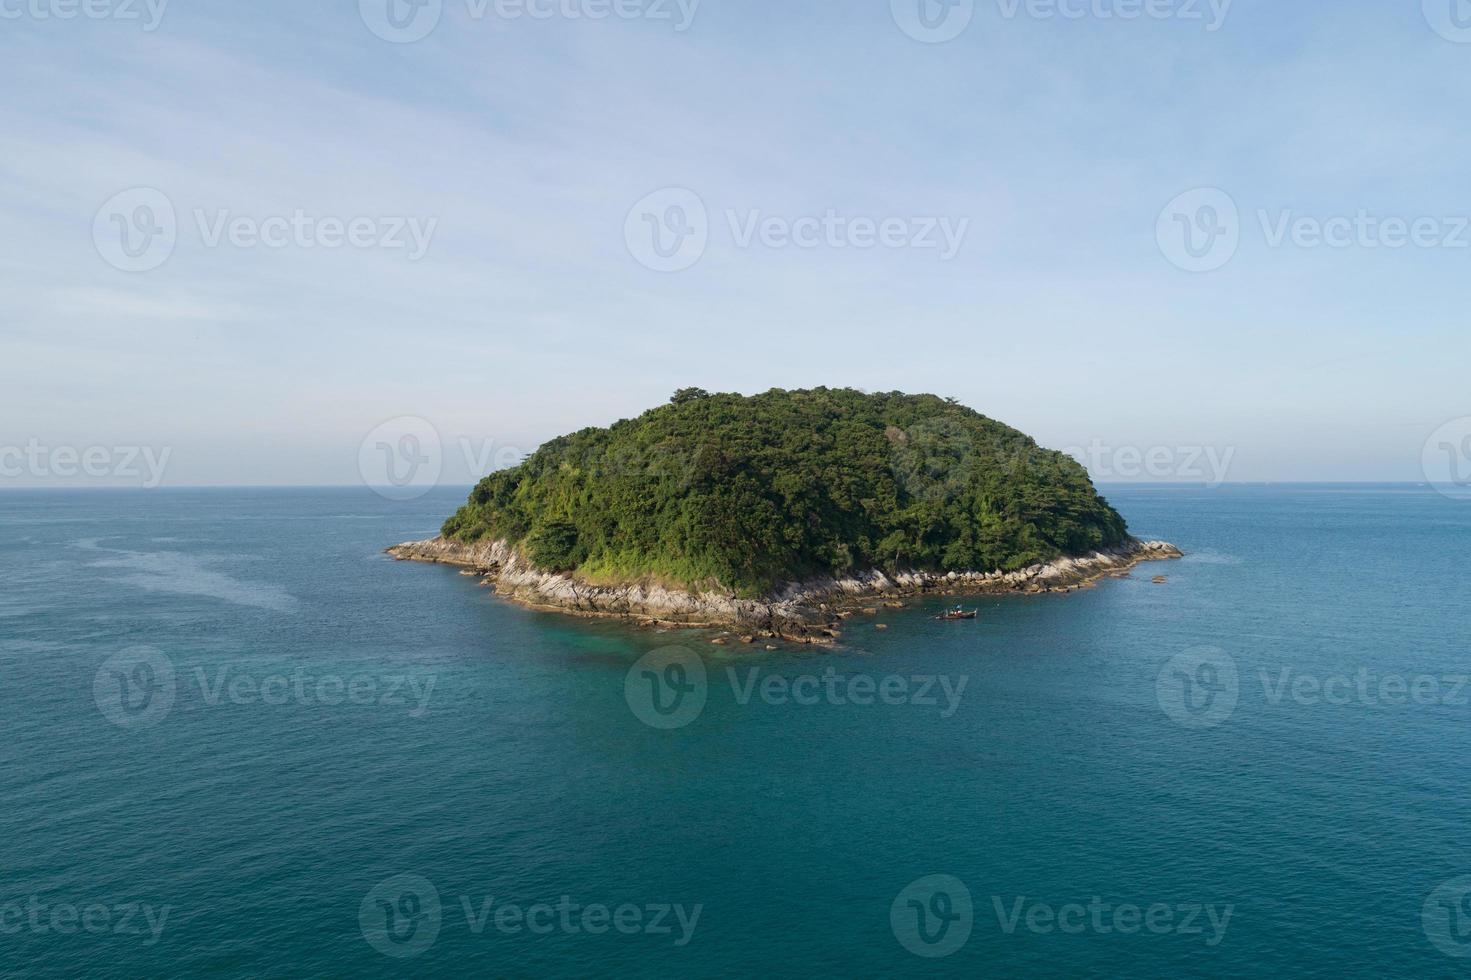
1204	485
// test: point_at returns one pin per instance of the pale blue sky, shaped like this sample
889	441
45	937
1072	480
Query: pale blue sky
526	142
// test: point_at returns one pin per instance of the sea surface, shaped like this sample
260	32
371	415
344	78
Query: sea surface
238	740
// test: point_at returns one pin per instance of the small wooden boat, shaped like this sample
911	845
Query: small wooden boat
958	613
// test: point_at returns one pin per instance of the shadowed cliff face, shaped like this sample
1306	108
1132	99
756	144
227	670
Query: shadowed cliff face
742	494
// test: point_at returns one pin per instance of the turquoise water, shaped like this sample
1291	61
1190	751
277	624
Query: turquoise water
1099	758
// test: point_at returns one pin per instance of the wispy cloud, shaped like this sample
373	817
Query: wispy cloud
527	142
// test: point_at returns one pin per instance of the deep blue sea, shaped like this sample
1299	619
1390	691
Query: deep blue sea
238	740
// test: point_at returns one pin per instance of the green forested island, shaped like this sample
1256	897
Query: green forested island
745	494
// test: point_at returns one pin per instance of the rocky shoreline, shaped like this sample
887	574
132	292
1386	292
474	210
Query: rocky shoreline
803	612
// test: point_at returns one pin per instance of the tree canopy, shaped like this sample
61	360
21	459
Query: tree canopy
748	493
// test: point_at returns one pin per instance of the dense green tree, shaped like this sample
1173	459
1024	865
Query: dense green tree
748	493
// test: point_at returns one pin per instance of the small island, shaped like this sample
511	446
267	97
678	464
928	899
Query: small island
781	514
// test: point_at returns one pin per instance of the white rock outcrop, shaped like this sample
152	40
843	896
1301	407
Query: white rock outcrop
802	611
